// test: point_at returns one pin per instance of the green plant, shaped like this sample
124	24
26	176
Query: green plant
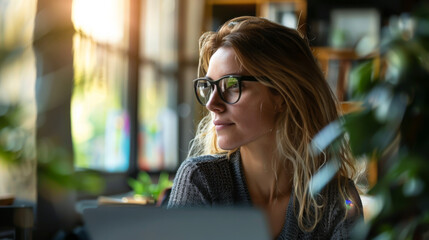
394	128
13	137
143	185
18	147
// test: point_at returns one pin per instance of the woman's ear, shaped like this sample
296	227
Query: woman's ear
279	102
280	107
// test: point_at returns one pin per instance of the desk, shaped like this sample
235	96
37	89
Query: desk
16	222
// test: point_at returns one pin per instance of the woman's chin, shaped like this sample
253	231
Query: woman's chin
227	145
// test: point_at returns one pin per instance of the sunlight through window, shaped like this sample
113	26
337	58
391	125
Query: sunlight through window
100	120
103	20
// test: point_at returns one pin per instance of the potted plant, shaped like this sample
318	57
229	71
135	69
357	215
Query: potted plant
147	192
393	128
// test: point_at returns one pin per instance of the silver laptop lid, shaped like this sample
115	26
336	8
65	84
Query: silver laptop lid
147	222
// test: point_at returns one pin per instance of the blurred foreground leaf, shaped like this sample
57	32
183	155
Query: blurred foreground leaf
393	129
55	170
394	125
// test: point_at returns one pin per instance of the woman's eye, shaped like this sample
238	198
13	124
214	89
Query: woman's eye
232	83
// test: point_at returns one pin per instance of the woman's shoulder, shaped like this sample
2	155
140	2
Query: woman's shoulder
343	198
205	164
204	161
347	186
203	180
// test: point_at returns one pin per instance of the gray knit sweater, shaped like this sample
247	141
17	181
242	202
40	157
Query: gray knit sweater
215	180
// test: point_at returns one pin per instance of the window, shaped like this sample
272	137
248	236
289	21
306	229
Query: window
17	99
103	113
157	109
99	107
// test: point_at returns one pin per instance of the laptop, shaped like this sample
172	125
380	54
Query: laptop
155	223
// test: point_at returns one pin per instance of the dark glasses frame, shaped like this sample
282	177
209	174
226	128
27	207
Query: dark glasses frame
216	83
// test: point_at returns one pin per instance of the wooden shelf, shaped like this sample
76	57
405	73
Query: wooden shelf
6	200
345	58
262	8
222	2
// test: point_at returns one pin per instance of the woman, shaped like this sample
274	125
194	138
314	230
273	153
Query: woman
267	98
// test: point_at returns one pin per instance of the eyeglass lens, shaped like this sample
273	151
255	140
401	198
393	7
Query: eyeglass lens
228	88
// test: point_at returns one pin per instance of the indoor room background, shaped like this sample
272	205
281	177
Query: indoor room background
95	92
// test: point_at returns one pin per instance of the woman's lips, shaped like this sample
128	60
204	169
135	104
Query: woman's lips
219	125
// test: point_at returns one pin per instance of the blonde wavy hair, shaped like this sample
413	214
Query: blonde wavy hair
285	63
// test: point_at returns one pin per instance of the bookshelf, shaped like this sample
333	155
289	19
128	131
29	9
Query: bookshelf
288	12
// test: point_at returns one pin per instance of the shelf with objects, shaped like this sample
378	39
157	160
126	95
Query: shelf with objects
291	13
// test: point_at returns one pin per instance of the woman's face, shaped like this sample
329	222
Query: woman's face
249	121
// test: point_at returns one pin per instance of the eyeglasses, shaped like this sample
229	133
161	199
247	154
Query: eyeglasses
228	88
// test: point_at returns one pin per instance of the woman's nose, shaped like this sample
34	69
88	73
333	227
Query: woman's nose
215	103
